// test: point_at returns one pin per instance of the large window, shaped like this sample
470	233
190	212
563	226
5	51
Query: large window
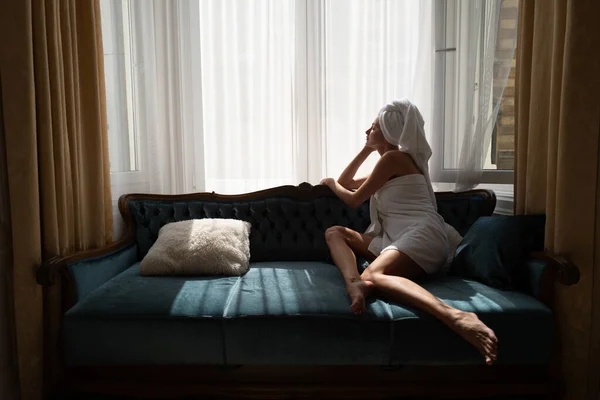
282	90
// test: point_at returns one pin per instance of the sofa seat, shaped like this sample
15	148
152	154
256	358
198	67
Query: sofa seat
289	313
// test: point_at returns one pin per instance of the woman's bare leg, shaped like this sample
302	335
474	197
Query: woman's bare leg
393	275
343	244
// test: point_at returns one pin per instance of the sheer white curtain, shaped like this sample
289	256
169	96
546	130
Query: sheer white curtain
484	75
376	51
234	96
290	86
167	89
248	61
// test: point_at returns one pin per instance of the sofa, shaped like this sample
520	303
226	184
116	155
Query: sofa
284	329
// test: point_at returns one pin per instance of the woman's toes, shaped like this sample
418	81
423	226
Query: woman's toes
490	344
478	334
491	353
357	305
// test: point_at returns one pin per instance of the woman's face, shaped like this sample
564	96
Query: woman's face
375	137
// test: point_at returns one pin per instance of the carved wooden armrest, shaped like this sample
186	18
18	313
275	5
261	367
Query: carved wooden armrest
564	271
545	270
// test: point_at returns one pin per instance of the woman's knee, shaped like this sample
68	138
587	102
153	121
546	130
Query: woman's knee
335	232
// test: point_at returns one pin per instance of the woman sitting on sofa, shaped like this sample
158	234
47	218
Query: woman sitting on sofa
406	241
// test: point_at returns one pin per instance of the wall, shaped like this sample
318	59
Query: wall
504	143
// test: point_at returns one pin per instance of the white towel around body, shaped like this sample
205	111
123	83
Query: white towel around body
404	218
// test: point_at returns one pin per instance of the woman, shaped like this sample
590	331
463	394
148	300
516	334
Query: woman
406	240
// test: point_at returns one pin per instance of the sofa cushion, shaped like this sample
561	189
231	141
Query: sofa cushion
299	313
134	319
289	313
495	247
524	326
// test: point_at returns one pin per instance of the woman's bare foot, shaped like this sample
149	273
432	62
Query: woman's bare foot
474	331
358	291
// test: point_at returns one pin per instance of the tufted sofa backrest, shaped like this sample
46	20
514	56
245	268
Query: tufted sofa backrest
288	222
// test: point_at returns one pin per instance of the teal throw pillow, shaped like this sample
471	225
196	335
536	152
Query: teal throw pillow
494	248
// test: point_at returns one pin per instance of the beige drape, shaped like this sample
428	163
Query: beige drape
558	164
7	369
52	84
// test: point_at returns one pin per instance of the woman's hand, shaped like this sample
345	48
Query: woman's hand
328	182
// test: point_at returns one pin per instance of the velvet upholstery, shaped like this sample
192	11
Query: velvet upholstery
90	273
148	320
284	228
291	307
462	210
298	313
495	247
523	324
283	313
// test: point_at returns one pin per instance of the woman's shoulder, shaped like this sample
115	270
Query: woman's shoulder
401	162
397	154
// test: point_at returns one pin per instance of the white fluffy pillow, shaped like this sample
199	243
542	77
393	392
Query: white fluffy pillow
454	240
200	247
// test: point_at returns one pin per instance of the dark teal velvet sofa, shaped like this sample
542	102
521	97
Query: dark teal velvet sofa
289	315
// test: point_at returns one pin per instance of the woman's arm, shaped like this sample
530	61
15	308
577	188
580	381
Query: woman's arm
384	169
346	179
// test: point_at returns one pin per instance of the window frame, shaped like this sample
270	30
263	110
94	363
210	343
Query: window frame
134	180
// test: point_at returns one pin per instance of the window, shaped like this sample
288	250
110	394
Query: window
463	47
289	87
